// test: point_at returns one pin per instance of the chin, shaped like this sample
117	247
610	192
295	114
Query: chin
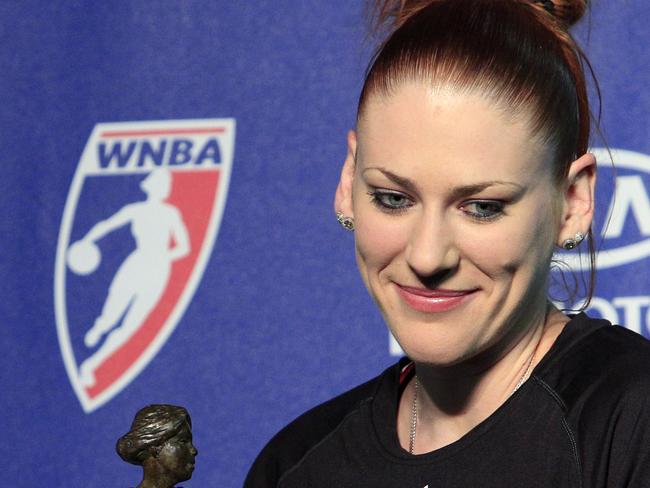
437	359
438	350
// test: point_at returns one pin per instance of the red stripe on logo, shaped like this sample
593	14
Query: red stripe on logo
163	132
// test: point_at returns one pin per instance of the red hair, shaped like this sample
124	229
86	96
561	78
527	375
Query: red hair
517	52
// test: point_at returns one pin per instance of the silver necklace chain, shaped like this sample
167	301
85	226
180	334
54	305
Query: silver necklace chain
416	387
414	416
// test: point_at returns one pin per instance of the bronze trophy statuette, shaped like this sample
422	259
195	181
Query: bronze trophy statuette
160	440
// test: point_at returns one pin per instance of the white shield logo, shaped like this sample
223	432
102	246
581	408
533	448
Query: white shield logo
139	224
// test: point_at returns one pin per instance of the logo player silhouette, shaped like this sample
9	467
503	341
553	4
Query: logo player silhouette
142	278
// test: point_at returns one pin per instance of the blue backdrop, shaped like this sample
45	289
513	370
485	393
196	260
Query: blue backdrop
278	320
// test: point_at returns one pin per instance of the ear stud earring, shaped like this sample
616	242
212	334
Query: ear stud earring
346	222
570	244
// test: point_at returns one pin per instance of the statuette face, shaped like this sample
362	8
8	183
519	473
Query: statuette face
177	455
160	440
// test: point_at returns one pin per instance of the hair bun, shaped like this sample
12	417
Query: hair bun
393	13
568	12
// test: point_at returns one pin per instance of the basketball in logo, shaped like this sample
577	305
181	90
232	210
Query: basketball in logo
140	223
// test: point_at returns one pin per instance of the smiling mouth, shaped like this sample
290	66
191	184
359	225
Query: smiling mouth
433	301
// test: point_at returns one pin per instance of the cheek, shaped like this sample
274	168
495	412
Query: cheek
510	246
173	455
379	238
168	457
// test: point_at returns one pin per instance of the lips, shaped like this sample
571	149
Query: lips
433	301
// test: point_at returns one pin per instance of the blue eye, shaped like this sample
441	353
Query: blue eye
389	201
483	209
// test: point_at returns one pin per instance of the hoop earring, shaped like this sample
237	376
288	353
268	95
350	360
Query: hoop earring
570	244
346	222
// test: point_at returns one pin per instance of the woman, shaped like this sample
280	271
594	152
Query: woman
468	168
160	440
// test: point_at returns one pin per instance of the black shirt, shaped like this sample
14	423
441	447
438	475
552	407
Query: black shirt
581	420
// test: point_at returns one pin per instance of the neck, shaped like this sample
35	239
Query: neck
453	400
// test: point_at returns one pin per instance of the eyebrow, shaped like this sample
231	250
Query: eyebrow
456	193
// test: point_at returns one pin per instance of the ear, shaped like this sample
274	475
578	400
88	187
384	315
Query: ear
343	195
578	209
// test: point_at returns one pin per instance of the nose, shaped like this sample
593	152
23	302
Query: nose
432	249
194	451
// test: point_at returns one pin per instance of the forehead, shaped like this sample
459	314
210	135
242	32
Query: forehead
466	134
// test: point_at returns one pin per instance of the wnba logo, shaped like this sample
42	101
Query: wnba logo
140	222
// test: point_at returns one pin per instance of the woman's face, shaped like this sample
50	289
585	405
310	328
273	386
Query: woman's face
177	455
456	217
